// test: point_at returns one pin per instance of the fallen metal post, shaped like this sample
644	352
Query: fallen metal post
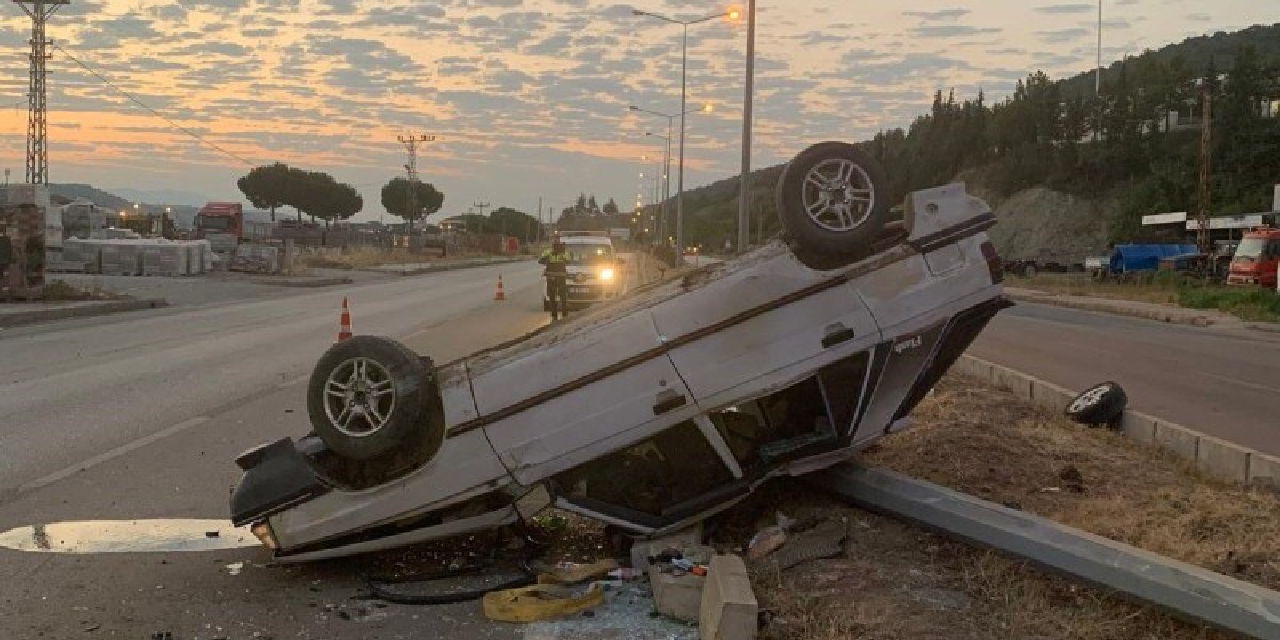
1184	590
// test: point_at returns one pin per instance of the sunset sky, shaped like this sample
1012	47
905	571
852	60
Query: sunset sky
528	97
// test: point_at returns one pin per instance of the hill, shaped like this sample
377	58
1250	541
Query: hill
1042	137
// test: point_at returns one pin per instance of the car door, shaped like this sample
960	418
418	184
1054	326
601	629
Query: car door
762	327
556	404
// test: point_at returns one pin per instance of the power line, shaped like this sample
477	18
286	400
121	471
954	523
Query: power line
144	105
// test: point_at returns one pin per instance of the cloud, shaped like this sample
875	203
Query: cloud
934	16
534	91
1067	9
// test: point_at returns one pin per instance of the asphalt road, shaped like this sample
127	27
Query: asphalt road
139	416
74	392
1222	382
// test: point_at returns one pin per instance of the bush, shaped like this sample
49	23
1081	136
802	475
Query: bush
1251	303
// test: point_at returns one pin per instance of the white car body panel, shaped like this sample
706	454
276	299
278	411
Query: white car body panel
473	468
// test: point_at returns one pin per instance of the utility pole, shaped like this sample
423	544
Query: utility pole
481	206
744	196
37	106
1206	166
1097	82
411	142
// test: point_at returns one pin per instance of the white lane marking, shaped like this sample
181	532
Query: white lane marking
111	455
1242	383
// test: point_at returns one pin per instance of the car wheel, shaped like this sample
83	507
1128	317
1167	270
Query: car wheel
833	202
371	397
1103	404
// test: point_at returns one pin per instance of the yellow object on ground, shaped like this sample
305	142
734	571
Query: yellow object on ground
539	602
577	573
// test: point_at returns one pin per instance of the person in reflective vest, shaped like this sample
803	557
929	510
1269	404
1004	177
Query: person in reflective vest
556	261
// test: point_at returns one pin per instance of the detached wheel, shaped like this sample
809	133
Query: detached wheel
1100	405
833	202
371	397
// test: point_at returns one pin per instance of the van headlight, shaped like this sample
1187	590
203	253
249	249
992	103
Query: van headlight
606	274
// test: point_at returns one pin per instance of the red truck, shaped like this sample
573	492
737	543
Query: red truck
222	224
1256	259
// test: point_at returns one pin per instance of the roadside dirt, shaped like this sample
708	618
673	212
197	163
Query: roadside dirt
896	581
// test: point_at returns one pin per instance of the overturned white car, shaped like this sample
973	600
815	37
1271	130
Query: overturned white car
655	410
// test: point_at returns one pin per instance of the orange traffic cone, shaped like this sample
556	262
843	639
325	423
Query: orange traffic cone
344	328
500	295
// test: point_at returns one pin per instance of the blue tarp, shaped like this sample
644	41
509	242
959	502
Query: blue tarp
1145	257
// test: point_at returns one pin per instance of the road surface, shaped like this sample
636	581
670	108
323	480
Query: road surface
140	415
1224	383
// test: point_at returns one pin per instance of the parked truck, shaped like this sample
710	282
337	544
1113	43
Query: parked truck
222	224
1257	259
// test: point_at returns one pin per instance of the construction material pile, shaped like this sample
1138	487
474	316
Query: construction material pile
137	257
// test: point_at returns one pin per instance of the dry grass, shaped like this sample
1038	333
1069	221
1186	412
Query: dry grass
898	582
1083	285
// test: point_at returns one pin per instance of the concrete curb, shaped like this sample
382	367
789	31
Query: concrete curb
304	284
1178	315
79	311
446	267
1219	458
1200	595
1269	327
1102	306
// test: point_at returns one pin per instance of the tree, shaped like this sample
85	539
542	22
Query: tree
592	207
508	221
335	201
265	186
395	199
611	208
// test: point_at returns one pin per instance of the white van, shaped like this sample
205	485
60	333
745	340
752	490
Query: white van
595	270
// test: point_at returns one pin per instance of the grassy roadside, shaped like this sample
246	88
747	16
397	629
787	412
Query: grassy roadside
1253	304
896	581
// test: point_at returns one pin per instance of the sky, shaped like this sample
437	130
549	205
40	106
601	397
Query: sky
528	99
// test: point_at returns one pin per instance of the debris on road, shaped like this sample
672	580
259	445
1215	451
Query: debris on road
540	602
234	568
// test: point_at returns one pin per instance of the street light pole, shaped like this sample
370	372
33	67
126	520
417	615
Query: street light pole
744	197
684	68
684	61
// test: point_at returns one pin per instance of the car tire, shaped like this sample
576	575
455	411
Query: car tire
372	398
852	181
1103	404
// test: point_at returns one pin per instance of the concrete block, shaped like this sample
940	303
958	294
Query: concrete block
973	367
684	540
1264	470
1223	459
679	597
1183	442
1012	380
1139	427
1049	396
729	606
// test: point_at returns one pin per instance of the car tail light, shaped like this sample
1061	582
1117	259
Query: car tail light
994	264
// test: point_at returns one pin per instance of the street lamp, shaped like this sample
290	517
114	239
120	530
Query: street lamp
666	173
684	66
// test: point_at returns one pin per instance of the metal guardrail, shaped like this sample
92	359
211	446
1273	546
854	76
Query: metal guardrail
1184	590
